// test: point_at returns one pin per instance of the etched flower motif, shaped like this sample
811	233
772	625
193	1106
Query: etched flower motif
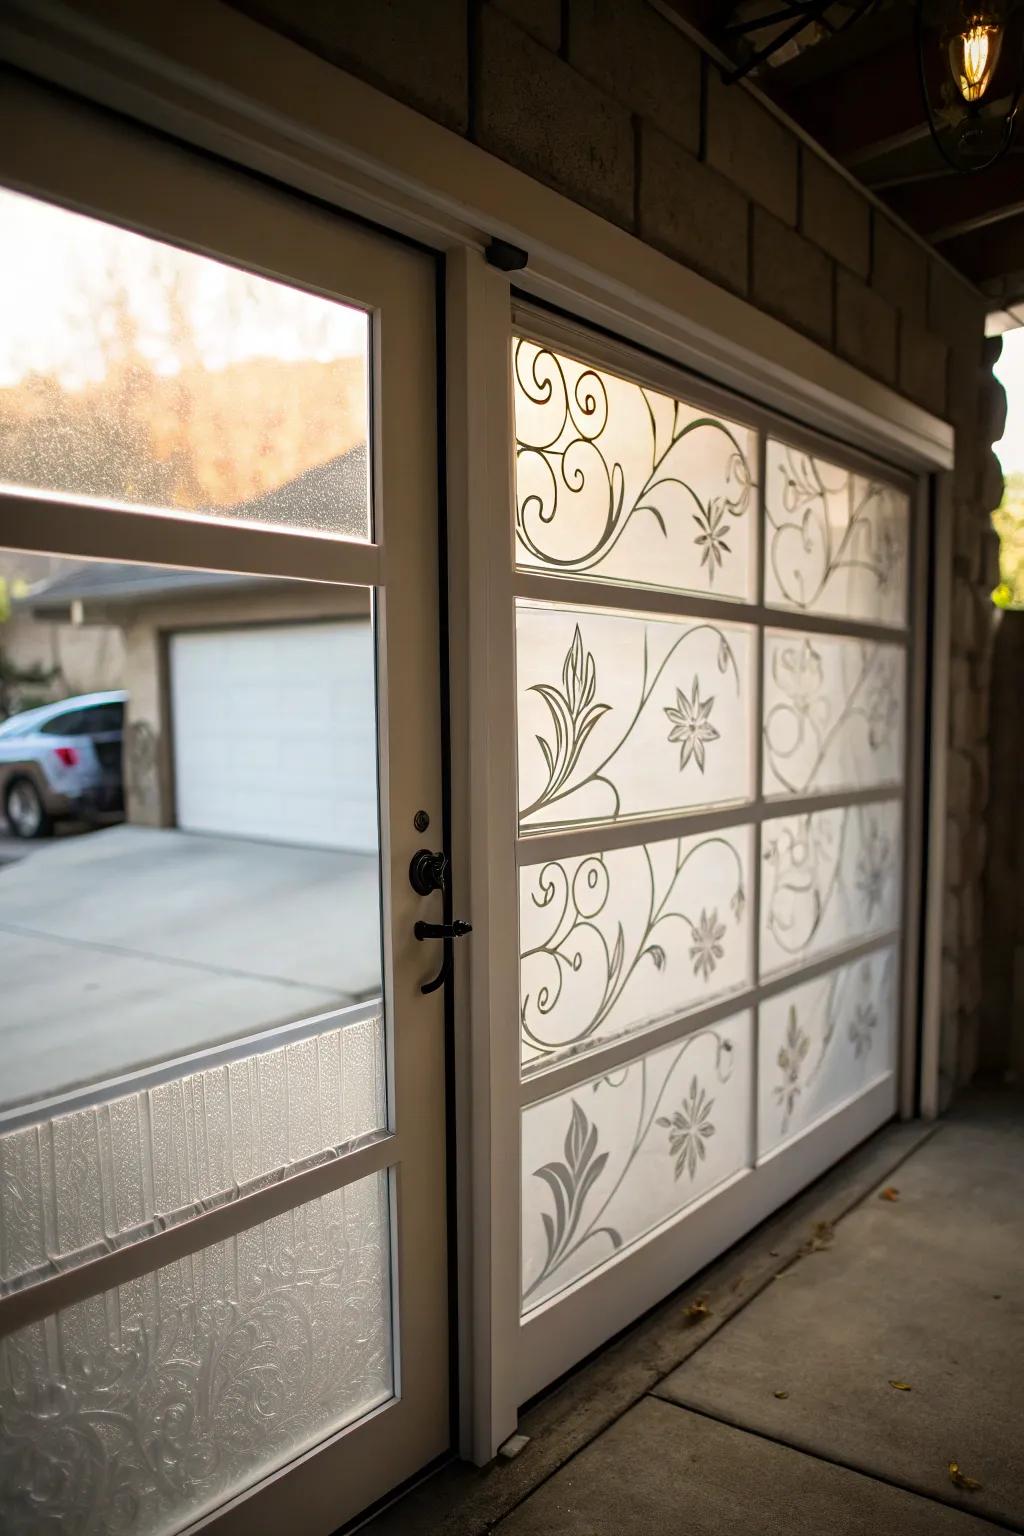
689	1129
888	556
882	708
691	725
862	1029
711	538
706	949
791	1057
873	869
800	673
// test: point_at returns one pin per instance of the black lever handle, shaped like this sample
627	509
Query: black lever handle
455	930
447	932
428	872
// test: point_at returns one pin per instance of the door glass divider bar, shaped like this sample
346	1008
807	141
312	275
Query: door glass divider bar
585	592
154	1251
544	845
83	527
92	1095
650	370
757	872
549	1082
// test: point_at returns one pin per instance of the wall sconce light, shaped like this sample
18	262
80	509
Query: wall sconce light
971	125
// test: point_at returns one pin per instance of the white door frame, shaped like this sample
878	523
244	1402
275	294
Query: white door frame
56	148
267	103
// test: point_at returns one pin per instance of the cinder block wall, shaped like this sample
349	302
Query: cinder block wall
609	103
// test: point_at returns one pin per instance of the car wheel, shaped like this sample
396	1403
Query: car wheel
25	812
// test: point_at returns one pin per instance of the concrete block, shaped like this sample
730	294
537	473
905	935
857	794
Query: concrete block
865	327
956	310
541	18
835	215
691	212
540	115
922	367
792	279
635	55
417	52
899	269
752	148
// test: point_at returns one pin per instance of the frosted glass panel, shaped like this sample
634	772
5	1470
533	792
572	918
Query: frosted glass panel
835	542
822	1043
833	713
613	1158
73	1184
138	1410
618	481
622	716
828	879
614	941
142	374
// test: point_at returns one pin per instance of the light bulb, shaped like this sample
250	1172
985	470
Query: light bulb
973	53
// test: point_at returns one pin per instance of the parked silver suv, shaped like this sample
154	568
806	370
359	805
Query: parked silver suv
62	760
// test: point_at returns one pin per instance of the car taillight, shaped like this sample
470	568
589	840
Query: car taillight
67	755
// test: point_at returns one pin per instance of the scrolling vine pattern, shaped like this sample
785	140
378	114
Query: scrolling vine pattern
578	1206
814	859
575	711
596	454
823	521
809	721
579	936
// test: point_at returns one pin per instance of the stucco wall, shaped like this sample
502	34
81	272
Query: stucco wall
608	102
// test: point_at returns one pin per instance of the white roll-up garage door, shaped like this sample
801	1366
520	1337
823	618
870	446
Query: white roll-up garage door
274	733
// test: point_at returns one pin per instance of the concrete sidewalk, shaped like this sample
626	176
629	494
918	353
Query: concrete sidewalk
782	1419
133	945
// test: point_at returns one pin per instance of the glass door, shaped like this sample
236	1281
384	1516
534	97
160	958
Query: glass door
223	1291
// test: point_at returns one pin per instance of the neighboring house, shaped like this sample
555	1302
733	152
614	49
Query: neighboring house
68	657
249	700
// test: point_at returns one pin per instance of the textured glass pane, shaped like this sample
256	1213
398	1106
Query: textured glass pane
828	879
622	716
614	941
73	1184
824	1042
833	713
618	481
138	1410
146	375
614	1157
835	542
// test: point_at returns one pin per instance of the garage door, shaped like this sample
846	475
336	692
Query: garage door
274	733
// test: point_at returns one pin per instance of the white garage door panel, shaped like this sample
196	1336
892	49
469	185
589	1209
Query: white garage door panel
275	733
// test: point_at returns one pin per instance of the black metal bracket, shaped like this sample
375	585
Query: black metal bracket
447	932
505	256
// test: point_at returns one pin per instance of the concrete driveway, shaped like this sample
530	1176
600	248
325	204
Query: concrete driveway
131	946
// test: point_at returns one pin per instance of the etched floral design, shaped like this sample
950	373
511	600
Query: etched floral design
570	1182
573	713
862	1027
791	1058
882	706
691	725
706	949
873	869
711	522
689	1130
800	673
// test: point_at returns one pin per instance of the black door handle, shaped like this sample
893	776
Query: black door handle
447	932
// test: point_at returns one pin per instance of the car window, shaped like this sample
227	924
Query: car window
103	717
71	723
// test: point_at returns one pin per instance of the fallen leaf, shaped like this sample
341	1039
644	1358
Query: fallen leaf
822	1236
889	1193
901	1386
961	1480
697	1311
780	1394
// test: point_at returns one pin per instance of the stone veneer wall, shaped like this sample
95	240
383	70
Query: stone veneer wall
609	103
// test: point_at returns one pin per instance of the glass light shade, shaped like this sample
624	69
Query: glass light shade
973	55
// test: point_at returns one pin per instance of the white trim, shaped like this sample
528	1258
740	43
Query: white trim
555	1337
269	104
943	513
